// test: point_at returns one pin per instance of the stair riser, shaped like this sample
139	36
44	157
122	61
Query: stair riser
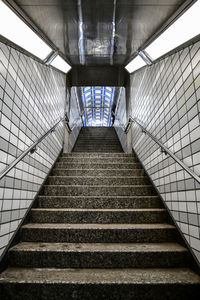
98	217
97	159
55	190
57	202
96	172
97	150
56	259
55	180
96	291
97	166
100	141
101	146
121	155
98	235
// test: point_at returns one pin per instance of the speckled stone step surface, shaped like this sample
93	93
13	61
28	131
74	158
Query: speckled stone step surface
98	149
98	233
94	165
104	284
96	190
97	159
98	180
99	202
97	140
96	154
97	172
105	216
98	255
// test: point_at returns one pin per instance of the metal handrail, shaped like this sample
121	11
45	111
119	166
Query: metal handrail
163	147
30	149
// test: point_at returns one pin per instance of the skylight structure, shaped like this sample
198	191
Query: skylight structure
97	102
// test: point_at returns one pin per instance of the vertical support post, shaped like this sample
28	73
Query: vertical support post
66	141
129	140
128	113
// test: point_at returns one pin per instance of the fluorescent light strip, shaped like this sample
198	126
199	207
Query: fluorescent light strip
135	64
15	30
59	63
182	30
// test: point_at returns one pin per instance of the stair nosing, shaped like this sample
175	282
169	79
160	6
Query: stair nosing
131	276
98	247
101	209
100	226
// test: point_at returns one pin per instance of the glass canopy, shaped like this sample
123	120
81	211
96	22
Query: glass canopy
97	104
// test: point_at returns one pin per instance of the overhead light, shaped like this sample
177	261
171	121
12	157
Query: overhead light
182	30
59	63
135	64
15	30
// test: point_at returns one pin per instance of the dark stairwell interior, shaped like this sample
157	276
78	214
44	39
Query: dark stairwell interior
100	231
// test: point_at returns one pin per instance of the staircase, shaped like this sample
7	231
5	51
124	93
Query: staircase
99	232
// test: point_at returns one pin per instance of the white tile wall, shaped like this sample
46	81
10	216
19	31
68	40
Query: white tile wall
74	118
121	119
32	98
166	99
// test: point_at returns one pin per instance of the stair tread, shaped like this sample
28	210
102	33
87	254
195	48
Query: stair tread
111	154
103	185
101	209
99	163
99	197
100	177
99	247
101	276
91	169
99	226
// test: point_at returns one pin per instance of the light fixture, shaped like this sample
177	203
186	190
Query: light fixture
135	64
182	30
59	63
15	30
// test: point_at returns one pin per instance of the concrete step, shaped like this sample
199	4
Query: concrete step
97	149
96	284
98	141
99	202
98	138
98	159
93	165
98	233
99	216
98	172
96	190
100	180
98	145
96	154
98	255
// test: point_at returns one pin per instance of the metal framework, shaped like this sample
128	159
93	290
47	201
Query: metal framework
97	104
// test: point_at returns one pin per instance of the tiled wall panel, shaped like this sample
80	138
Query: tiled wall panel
121	119
32	98
166	99
74	119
